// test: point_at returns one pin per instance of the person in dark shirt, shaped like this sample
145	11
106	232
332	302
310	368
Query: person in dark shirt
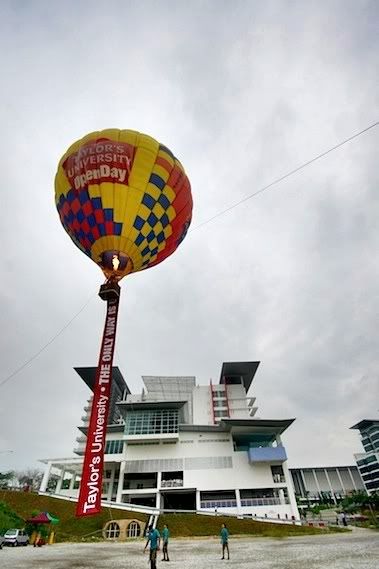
165	536
154	539
224	536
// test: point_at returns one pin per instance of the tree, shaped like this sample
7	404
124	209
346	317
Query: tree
30	478
6	479
359	500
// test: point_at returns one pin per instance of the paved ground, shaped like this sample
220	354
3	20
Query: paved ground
339	551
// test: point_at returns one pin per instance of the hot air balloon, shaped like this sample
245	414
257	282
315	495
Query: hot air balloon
125	201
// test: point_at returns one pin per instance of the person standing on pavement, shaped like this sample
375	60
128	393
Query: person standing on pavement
224	535
165	536
154	539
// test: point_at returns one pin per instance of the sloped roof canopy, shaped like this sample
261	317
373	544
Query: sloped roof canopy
233	372
88	375
365	423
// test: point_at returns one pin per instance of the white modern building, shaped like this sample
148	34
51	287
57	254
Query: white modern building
320	483
368	461
180	445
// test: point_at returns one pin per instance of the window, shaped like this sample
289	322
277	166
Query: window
219	499
264	497
134	530
366	460
114	447
369	468
218	393
277	474
112	531
221	413
152	422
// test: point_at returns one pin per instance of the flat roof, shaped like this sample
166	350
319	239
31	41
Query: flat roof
169	382
88	375
245	370
365	423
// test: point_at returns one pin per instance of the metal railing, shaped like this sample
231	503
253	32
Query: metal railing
175	483
278	478
262	502
218	504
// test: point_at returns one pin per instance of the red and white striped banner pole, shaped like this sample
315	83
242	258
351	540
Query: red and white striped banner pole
89	502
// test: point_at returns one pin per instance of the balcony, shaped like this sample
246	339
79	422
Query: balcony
81	439
174	483
267	454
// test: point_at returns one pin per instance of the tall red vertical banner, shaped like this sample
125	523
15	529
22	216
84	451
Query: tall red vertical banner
89	502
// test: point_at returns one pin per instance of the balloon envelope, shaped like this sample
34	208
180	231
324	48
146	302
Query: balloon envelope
124	199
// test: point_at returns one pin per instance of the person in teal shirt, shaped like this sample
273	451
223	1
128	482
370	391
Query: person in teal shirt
224	535
165	536
154	538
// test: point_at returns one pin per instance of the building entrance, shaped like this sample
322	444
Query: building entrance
179	500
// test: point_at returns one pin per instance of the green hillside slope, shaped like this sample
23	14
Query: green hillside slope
71	528
182	525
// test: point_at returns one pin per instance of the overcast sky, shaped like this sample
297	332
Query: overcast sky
242	92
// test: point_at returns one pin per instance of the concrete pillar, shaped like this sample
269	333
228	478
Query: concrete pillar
158	501
238	500
159	479
72	481
330	486
59	485
45	479
305	495
121	481
198	500
111	483
352	479
316	481
340	479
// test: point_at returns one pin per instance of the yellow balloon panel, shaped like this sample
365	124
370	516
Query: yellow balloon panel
122	193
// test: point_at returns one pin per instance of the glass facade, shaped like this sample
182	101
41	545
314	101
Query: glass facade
152	422
114	447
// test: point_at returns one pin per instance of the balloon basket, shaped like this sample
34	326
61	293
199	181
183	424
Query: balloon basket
110	291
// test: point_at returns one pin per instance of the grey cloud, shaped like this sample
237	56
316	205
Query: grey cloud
242	93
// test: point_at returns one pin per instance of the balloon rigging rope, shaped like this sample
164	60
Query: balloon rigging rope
217	215
285	176
29	361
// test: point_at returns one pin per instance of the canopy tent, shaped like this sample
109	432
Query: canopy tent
43	518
